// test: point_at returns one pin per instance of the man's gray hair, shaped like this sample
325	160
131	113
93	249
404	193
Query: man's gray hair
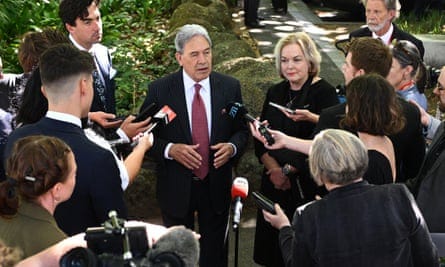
337	157
188	31
390	4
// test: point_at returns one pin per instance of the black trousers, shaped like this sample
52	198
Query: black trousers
251	11
212	226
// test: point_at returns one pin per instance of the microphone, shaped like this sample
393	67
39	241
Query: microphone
236	110
163	117
240	189
177	248
119	229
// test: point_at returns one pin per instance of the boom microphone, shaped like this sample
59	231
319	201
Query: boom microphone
240	189
236	110
177	248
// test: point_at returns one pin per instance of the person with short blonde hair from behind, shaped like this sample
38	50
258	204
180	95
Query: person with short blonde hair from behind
356	224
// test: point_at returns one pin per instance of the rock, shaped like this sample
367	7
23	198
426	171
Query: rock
214	17
256	76
227	45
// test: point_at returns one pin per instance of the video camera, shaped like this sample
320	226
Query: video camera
115	245
432	76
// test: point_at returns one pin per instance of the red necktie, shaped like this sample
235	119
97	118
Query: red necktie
200	132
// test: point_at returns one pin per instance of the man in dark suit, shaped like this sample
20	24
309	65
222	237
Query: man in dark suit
380	15
67	84
369	55
428	187
195	172
83	22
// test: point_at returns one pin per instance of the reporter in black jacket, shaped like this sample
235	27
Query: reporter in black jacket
356	224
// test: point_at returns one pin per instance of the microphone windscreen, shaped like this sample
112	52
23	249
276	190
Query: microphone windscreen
179	243
164	115
240	187
235	110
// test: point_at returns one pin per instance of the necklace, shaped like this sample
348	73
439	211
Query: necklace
291	99
302	92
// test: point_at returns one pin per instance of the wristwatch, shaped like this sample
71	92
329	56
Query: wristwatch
286	169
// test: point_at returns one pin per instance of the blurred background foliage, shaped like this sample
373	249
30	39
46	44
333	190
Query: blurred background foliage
134	31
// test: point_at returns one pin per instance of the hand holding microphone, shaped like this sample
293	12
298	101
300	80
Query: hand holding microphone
163	117
240	190
236	110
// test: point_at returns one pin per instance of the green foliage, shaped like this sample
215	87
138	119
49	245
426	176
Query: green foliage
18	17
433	22
134	31
139	61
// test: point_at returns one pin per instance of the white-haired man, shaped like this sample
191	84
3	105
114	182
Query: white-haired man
380	16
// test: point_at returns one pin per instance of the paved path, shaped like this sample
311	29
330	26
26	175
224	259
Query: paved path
301	18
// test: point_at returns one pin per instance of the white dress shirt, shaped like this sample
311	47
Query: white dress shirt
386	38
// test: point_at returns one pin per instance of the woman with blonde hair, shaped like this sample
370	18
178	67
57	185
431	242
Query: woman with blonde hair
285	178
372	113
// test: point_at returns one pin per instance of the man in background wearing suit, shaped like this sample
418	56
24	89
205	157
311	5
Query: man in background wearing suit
195	152
428	187
380	15
368	55
82	20
67	83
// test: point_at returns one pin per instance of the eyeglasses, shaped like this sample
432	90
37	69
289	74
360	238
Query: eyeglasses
439	86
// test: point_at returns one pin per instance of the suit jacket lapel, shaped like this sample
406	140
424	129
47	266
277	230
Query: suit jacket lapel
217	101
177	96
102	68
395	33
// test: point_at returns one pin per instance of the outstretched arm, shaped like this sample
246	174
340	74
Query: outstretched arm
282	140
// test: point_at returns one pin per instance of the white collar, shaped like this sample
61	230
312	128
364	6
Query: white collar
63	117
76	44
190	83
386	38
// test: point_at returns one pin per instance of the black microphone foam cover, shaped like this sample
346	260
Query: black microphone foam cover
178	247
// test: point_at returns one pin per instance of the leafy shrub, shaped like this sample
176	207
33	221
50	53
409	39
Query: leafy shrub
133	30
433	22
18	17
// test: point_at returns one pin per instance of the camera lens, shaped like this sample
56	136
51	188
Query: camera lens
78	257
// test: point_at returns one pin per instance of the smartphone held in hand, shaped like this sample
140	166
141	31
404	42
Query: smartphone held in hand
283	108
